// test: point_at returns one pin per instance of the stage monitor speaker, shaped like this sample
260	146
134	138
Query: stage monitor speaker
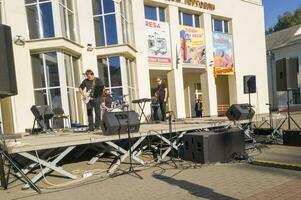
42	114
238	112
8	84
249	84
117	122
286	74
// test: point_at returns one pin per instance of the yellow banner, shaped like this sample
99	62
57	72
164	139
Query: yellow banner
192	45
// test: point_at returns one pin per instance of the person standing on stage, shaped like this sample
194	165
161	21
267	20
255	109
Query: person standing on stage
161	95
198	108
91	89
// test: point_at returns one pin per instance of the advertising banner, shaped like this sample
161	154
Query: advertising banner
223	54
192	45
158	40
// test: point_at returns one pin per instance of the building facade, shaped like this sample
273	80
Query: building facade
285	44
201	49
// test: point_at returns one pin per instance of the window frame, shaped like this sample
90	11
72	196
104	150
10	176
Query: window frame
66	11
158	14
103	15
37	4
224	21
194	17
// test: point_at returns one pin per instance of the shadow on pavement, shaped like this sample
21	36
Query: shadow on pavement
193	189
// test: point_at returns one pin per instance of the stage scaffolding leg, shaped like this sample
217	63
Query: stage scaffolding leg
49	166
125	154
103	150
175	144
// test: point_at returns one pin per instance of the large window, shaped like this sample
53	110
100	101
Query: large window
220	25
105	22
154	13
109	70
126	22
50	88
189	19
67	16
118	74
39	18
46	80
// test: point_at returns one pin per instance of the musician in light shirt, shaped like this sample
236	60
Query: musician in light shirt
91	90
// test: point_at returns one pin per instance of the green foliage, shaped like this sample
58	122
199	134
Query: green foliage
286	20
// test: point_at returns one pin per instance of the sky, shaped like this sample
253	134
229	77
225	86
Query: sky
274	8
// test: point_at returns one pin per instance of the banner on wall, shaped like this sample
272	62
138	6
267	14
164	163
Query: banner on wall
193	49
223	54
158	40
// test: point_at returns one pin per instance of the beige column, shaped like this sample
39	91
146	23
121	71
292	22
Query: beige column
142	70
207	79
175	76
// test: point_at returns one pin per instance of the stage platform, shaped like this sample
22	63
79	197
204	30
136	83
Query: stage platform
70	138
39	149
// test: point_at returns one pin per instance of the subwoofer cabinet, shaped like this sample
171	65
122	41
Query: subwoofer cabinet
213	146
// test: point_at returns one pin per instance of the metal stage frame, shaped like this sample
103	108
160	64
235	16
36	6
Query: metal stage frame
39	149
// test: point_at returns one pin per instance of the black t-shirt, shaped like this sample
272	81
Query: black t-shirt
97	90
161	91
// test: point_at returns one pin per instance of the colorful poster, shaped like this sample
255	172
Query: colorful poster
192	45
223	54
158	40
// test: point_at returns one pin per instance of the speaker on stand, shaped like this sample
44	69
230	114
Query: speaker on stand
250	88
287	80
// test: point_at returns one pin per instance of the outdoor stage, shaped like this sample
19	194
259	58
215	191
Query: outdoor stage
38	149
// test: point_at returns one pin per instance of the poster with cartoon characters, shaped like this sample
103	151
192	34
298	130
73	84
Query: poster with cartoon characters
192	45
223	54
158	40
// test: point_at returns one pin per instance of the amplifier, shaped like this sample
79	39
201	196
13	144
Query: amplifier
292	138
117	122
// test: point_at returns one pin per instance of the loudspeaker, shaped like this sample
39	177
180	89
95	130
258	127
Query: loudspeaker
117	122
234	143
286	74
42	114
204	147
8	84
292	138
240	112
249	84
213	146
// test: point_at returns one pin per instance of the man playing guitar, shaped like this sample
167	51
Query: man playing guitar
91	90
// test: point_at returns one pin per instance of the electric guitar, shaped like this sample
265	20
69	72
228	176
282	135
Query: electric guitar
86	96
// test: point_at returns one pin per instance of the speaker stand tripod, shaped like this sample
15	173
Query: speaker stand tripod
172	155
131	170
4	156
288	118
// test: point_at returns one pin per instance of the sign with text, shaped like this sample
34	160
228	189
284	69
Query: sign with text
158	40
192	45
223	54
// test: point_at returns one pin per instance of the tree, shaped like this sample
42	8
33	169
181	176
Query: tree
286	20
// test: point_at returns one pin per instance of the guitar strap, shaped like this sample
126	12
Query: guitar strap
93	87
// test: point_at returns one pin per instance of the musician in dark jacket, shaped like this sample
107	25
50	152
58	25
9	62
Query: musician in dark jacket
91	90
161	95
198	108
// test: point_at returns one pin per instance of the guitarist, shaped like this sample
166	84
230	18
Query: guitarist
94	87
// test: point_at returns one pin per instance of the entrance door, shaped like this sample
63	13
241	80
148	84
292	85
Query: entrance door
222	92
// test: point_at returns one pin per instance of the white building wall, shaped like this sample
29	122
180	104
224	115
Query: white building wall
249	53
